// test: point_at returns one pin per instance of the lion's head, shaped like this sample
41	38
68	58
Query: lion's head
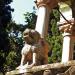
31	36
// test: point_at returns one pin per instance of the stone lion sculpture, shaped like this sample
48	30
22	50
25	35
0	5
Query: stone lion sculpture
35	50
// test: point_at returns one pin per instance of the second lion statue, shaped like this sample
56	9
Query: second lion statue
35	50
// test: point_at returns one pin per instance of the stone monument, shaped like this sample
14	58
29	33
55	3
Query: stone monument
35	50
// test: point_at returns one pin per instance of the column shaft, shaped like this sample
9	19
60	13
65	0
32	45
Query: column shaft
42	21
67	53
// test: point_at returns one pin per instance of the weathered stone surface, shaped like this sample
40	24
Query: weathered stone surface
56	68
61	74
47	72
53	66
70	71
27	74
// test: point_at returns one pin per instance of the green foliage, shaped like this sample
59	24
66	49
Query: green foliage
10	60
5	18
54	28
5	12
30	19
55	48
54	38
16	40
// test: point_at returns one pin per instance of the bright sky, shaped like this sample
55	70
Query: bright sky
20	7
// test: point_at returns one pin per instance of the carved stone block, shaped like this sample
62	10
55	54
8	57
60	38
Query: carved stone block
47	72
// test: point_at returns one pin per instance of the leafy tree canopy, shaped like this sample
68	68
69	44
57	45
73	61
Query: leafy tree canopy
5	18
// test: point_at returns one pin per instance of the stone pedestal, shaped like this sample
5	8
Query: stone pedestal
67	29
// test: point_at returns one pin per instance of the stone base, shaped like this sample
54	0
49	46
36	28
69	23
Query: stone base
49	69
47	72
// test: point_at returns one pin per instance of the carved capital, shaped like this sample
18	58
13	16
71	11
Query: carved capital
47	3
67	27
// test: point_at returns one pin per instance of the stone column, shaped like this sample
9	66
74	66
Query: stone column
44	8
67	48
67	51
42	21
66	26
